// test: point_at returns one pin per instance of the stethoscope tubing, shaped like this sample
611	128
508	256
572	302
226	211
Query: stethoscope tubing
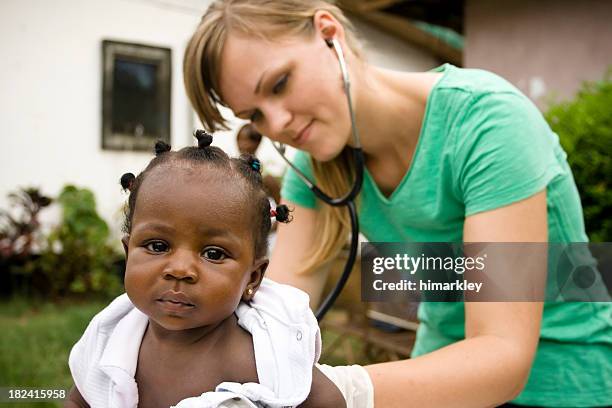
348	266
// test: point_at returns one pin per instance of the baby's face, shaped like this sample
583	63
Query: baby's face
190	251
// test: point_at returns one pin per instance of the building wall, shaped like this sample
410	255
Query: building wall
545	47
50	76
51	81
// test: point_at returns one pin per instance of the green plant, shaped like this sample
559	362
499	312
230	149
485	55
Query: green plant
78	258
19	228
20	239
584	126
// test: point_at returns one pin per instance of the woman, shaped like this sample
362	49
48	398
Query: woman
451	155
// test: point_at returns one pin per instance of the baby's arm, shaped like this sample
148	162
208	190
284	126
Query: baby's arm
323	393
75	399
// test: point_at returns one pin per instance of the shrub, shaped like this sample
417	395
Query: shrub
584	126
20	238
19	229
84	263
78	258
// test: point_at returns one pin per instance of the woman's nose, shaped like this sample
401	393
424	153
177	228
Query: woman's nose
278	119
182	265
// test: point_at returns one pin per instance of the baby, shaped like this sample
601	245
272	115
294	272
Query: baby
199	326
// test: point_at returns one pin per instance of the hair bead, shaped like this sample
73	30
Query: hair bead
282	213
127	181
161	147
255	164
247	167
204	139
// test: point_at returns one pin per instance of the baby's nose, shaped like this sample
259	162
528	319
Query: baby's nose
182	266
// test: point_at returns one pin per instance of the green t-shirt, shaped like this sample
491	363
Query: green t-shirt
484	145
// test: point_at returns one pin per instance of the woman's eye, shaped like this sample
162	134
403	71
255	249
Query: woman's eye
214	254
157	246
280	84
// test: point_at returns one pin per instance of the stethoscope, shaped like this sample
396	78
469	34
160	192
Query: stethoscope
347	200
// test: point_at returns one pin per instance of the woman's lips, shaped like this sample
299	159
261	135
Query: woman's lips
303	135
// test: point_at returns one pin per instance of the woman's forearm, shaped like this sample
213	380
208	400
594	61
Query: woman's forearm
482	371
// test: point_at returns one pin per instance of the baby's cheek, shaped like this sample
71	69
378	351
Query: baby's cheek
134	282
224	301
129	284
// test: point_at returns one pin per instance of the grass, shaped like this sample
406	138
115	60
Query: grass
35	340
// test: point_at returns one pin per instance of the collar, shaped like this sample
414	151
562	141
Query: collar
120	358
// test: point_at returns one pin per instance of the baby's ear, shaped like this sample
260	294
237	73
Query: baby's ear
257	275
125	240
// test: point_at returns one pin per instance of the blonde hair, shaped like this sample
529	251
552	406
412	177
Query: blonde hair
269	19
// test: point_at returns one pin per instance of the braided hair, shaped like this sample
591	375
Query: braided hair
246	167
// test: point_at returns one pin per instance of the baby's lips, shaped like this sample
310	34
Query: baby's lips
176	297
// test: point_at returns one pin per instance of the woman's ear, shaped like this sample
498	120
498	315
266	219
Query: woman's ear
327	25
125	241
257	275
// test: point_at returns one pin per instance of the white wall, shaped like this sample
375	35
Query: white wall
50	81
50	104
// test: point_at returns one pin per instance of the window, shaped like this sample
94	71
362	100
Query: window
135	96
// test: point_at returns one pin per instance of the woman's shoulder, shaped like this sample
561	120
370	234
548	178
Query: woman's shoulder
468	100
473	81
466	97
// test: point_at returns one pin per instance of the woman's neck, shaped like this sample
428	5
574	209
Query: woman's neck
390	107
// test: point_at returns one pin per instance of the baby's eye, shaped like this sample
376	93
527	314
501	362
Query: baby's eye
214	254
157	246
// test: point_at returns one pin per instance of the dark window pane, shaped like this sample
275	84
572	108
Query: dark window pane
135	106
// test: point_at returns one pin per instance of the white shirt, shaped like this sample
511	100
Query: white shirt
286	341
